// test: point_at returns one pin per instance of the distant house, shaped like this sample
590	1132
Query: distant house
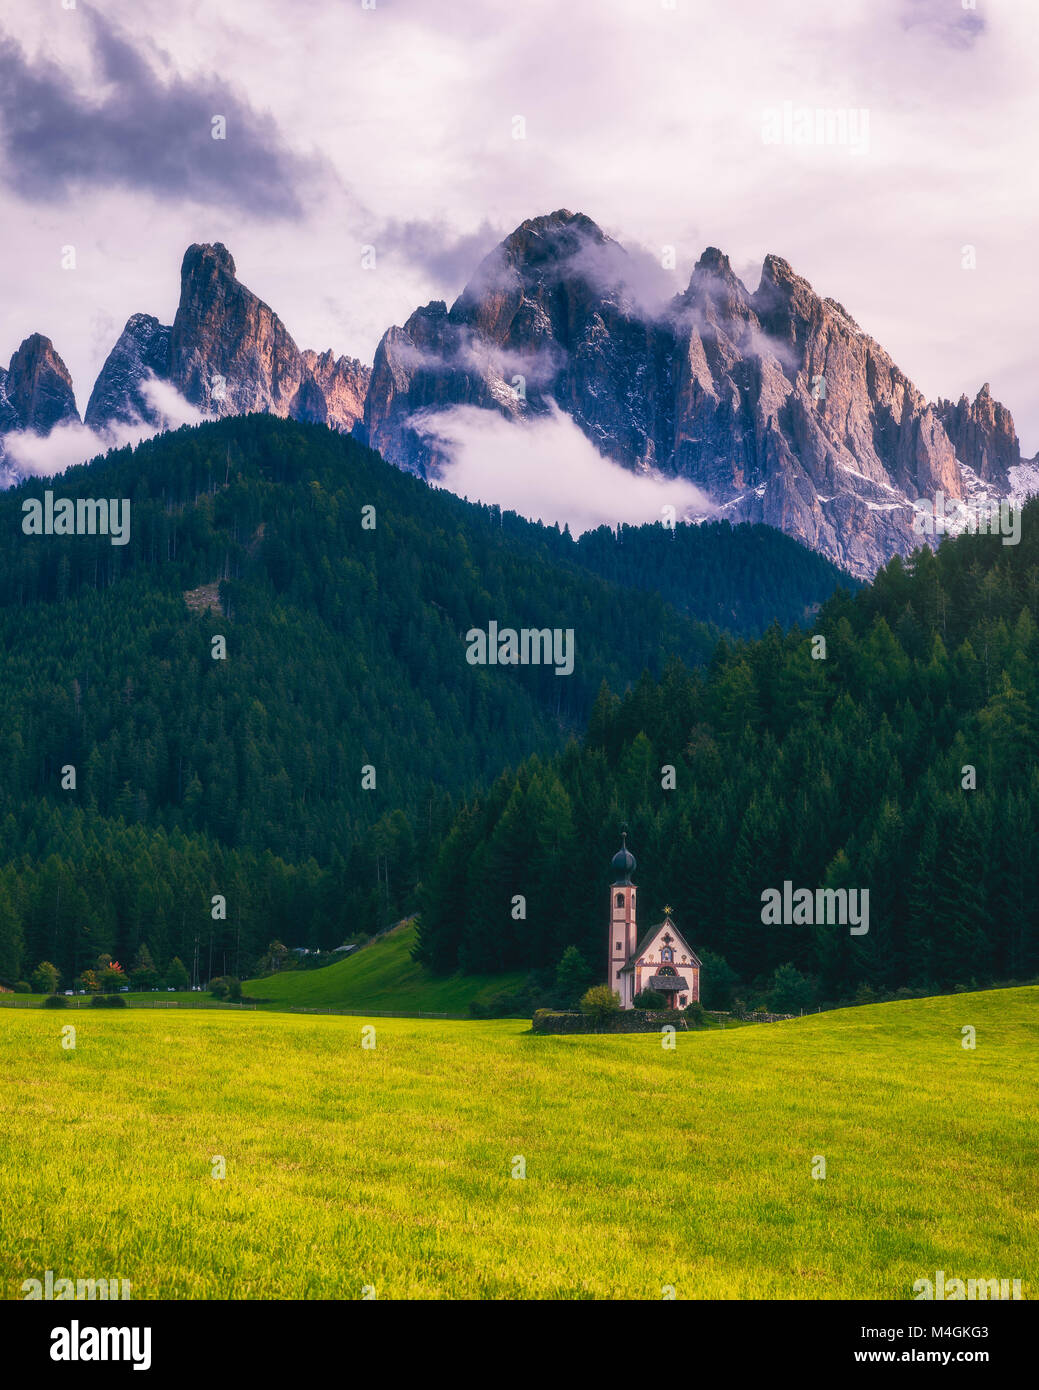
661	960
343	951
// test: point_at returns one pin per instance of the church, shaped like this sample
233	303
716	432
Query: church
662	960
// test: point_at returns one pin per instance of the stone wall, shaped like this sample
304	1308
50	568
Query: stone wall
624	1021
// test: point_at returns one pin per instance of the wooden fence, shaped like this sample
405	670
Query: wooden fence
368	1013
74	1003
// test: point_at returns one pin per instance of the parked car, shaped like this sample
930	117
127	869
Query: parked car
69	993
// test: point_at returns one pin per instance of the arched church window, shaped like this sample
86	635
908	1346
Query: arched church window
620	899
666	970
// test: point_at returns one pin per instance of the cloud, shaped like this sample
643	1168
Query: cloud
546	469
141	132
447	257
25	454
463	349
630	274
957	27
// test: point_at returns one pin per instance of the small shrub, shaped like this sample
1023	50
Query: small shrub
600	1002
55	1001
649	999
718	981
22	987
46	978
176	975
573	975
507	1003
695	1012
112	978
790	991
107	1001
226	987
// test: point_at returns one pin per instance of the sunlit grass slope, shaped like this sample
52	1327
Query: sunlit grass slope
380	976
393	1167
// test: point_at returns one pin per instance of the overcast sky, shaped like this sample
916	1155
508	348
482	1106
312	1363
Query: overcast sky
394	127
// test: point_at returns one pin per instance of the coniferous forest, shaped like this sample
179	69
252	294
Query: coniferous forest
899	761
902	762
243	776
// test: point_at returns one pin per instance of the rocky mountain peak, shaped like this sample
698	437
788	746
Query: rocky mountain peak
120	393
38	386
983	435
229	351
207	257
550	239
785	302
341	384
560	254
775	403
714	265
715	291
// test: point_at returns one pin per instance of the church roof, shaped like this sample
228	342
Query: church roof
643	946
667	984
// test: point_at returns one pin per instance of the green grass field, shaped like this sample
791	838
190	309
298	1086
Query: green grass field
156	997
379	976
645	1168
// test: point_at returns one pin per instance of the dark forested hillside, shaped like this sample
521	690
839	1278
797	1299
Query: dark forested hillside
741	578
902	762
345	650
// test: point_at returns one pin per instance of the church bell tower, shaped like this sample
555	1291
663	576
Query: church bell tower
623	930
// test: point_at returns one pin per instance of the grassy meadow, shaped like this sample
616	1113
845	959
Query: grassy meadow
381	975
392	1167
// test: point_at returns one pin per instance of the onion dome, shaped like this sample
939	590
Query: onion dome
623	863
